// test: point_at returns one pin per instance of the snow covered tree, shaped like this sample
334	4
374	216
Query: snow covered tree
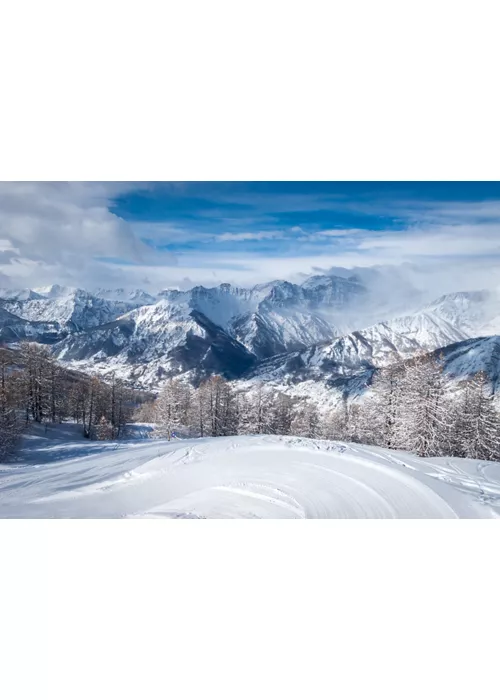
118	412
255	407
259	408
145	413
198	415
382	408
306	421
422	419
343	422
335	425
477	422
220	407
230	410
168	409
92	406
281	414
10	431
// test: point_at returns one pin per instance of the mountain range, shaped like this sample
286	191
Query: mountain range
326	330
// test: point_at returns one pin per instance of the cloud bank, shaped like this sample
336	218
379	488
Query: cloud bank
444	236
64	232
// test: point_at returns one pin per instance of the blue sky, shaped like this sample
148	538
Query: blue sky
179	234
279	219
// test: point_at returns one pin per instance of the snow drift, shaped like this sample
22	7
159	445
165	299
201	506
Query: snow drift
242	477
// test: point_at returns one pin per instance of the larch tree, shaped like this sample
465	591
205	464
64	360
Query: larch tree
422	425
477	424
10	428
306	421
168	409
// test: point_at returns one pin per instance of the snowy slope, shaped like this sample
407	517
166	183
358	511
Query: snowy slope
137	296
283	332
150	342
14	329
242	477
153	342
72	309
464	359
449	320
276	316
267	319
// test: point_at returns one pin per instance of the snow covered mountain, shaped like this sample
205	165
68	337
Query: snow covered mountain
277	316
462	360
18	294
202	330
154	342
280	332
448	327
376	346
14	329
266	319
450	319
71	309
138	297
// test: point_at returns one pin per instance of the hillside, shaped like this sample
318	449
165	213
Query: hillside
242	477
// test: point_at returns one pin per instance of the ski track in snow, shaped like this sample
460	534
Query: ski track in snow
242	477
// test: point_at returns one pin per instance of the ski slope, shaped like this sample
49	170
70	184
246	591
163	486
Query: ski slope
241	477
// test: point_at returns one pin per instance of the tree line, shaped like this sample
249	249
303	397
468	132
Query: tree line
409	406
217	408
412	406
35	388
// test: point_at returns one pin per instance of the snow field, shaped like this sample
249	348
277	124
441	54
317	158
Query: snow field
242	477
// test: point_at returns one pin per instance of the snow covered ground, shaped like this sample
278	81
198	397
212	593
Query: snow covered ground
241	477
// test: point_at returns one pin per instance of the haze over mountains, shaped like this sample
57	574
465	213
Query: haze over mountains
331	329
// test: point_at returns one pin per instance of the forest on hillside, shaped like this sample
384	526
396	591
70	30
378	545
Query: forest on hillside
407	406
35	388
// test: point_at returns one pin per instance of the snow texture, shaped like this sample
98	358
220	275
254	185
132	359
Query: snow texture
241	477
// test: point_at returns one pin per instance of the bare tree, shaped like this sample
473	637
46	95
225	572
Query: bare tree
422	424
477	424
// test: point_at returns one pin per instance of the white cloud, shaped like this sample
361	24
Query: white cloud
249	236
60	232
61	229
434	241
